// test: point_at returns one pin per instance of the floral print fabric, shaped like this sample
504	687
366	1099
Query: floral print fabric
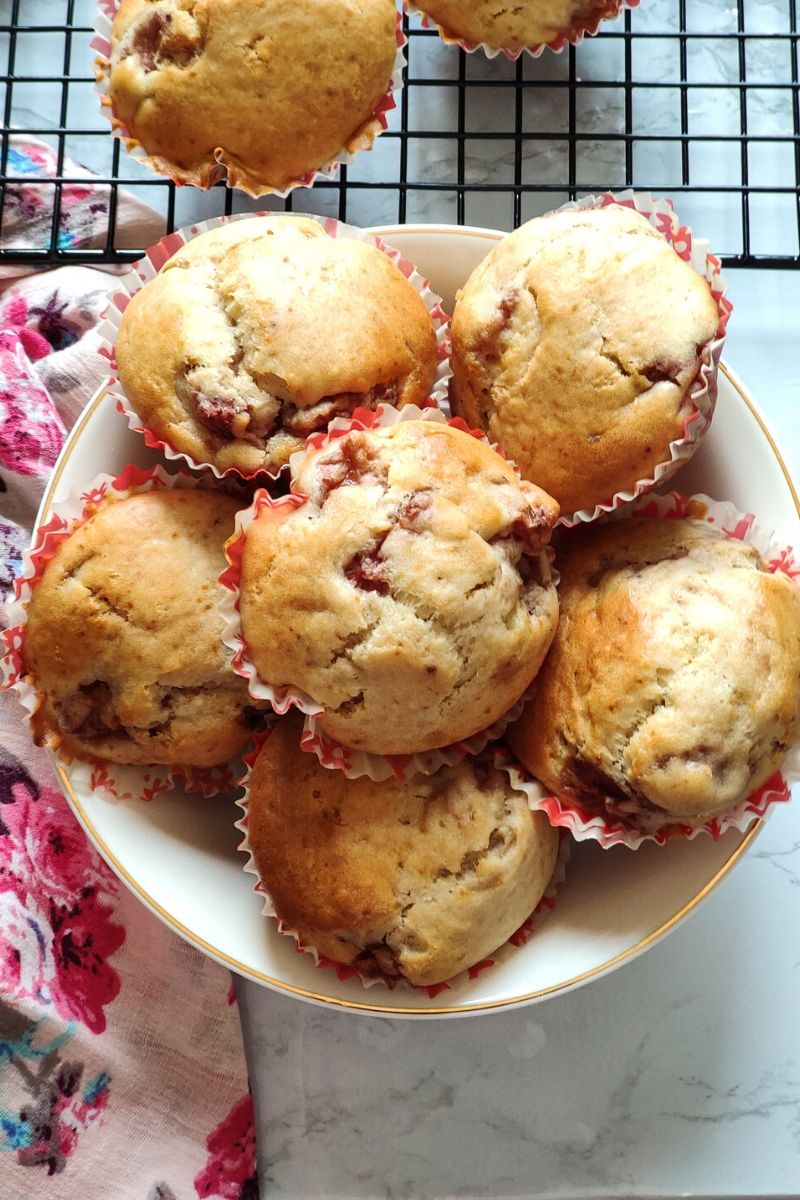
121	1065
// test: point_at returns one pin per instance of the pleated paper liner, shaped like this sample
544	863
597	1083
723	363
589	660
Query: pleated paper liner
612	828
345	971
115	780
701	396
331	753
154	259
224	167
572	36
355	763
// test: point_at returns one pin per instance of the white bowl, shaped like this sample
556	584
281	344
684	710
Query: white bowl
179	854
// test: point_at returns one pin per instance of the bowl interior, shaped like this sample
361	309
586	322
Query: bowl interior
179	854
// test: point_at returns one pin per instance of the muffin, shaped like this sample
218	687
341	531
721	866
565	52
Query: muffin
123	636
263	91
258	333
673	686
515	27
575	345
410	596
416	880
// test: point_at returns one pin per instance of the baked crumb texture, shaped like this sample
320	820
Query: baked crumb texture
258	333
415	880
410	596
123	636
673	686
263	93
515	27
575	345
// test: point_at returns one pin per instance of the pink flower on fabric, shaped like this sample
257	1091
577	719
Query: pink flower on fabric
14	315
57	931
83	939
230	1172
31	431
45	845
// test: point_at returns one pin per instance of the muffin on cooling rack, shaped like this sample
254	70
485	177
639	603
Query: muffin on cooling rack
672	690
516	27
262	92
414	880
122	639
576	345
410	595
257	333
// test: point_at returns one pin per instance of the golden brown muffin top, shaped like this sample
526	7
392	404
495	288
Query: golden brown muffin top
574	344
270	89
514	26
419	879
124	634
259	332
410	596
673	683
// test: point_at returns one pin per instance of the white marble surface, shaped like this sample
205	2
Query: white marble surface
679	1074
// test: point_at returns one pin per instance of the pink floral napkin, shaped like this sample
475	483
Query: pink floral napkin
121	1065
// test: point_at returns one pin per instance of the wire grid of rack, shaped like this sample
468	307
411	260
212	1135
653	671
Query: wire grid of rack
696	99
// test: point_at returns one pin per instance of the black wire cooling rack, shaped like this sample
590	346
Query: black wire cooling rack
695	99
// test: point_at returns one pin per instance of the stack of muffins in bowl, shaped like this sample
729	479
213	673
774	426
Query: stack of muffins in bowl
442	664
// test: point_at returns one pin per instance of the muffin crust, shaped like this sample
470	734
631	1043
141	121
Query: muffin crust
263	90
410	596
514	27
123	636
574	345
416	880
672	689
260	332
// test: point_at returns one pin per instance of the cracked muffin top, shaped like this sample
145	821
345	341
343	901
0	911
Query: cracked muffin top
123	636
514	27
417	879
410	596
263	90
673	685
574	345
258	333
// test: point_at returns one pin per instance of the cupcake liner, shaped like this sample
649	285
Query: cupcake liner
331	753
70	510
156	256
234	177
609	829
571	37
522	935
701	396
378	767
